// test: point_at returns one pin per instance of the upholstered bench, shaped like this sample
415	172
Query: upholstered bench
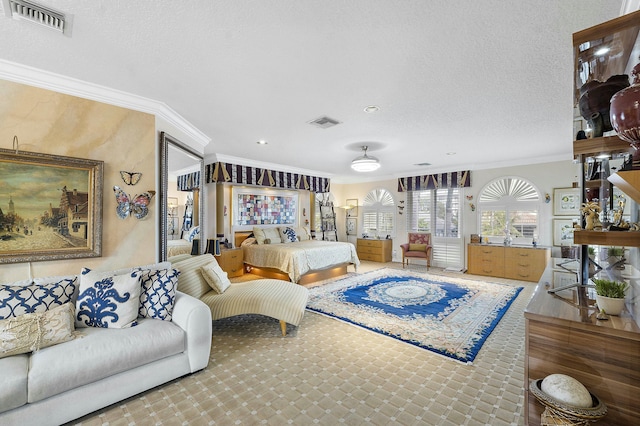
282	300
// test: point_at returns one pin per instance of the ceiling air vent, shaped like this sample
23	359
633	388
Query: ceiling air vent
324	122
29	11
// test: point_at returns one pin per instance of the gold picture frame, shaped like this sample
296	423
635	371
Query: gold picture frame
50	207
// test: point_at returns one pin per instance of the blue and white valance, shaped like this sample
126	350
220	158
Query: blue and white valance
189	182
435	181
235	173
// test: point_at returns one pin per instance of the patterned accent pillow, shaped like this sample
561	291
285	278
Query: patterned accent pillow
288	235
193	232
108	301
215	277
158	293
31	332
19	300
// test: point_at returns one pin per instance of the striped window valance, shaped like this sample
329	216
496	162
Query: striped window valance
189	182
234	173
435	181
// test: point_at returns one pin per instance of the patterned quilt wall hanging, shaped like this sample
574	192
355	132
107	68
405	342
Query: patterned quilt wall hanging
189	182
435	181
234	173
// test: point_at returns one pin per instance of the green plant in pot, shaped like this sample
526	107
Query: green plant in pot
610	295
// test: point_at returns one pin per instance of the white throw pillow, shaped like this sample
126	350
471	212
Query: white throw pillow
288	234
108	301
215	277
30	332
273	235
258	233
303	233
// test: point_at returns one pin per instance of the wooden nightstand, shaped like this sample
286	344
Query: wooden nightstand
374	250
231	261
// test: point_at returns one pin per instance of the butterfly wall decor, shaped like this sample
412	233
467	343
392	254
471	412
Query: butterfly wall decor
137	206
130	178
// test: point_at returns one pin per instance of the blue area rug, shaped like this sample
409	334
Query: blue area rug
447	315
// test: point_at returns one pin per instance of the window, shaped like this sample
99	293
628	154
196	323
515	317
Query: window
512	202
435	211
378	213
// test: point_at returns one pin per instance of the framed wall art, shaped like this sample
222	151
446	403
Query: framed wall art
353	211
256	206
50	207
563	232
352	225
566	201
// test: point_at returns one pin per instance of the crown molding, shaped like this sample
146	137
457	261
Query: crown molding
265	165
58	83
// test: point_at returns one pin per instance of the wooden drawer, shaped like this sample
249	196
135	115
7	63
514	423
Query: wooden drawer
232	262
374	250
486	260
525	264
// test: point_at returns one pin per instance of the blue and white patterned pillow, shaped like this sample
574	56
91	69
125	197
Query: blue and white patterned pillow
16	300
158	293
108	301
288	235
193	232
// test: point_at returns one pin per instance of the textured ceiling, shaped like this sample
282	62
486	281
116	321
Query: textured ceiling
488	80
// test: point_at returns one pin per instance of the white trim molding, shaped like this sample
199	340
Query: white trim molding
47	80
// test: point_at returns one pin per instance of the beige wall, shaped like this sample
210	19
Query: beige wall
53	123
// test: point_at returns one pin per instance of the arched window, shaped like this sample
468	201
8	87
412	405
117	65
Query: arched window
378	213
512	202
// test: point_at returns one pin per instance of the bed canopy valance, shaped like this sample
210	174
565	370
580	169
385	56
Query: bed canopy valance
435	181
220	172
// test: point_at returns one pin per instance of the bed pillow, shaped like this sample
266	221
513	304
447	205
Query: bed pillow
34	331
259	235
108	301
248	242
158	293
273	235
303	234
16	300
193	232
215	277
288	234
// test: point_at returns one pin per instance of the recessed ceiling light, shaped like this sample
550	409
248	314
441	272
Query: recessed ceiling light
371	109
261	142
602	51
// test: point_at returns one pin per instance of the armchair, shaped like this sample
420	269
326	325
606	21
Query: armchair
418	247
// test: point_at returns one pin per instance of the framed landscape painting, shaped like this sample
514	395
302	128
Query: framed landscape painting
50	207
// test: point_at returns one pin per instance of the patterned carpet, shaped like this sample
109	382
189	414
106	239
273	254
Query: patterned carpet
327	372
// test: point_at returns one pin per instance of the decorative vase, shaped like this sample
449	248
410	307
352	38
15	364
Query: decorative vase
625	111
610	305
594	102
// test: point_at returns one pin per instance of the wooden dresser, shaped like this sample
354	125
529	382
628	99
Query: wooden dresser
517	263
231	261
374	250
561	337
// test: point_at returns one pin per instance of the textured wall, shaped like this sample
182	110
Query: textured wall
54	123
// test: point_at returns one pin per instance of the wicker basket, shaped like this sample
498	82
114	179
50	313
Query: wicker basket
559	413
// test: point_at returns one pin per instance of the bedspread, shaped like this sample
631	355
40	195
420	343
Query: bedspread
176	247
296	259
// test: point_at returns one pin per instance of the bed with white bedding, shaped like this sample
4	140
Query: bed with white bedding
299	258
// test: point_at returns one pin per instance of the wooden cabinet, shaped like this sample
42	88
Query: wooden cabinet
374	250
517	263
562	337
232	262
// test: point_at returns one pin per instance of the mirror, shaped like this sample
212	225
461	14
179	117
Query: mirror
177	159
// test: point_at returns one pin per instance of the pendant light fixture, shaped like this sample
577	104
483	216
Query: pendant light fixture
364	163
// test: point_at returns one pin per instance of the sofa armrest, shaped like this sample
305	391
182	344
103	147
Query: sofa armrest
194	317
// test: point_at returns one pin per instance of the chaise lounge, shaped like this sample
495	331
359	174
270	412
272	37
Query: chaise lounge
282	300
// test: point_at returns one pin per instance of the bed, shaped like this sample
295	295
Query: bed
300	261
176	247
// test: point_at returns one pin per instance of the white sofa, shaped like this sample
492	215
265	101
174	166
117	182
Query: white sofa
66	381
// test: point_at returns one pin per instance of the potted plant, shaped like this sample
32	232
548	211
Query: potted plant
610	295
